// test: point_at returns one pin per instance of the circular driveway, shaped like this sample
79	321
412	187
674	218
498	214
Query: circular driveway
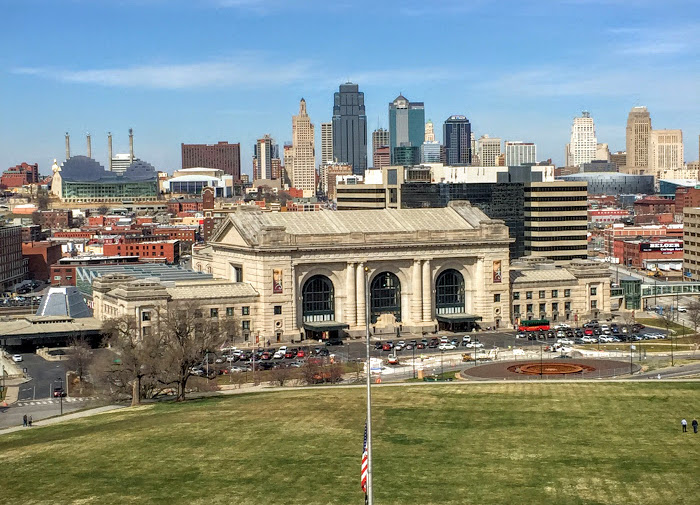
573	368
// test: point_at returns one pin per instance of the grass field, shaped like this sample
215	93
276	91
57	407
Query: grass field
584	443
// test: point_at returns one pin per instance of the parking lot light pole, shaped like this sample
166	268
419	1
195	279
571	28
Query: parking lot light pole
369	498
414	361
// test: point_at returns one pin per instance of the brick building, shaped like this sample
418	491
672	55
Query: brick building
167	251
32	233
63	273
13	266
614	236
18	176
175	206
646	253
40	257
56	219
222	156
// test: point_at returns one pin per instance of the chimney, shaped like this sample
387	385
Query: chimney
131	145
67	145
89	146
109	149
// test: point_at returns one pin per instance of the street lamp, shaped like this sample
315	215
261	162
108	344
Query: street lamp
414	360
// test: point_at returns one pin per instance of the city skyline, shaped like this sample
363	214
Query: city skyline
174	86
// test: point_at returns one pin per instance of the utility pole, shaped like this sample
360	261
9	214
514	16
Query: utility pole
370	497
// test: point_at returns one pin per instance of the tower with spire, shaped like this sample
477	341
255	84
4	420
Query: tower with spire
301	160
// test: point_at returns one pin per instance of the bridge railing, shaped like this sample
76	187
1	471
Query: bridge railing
671	289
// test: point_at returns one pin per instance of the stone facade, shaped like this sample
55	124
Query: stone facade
279	253
573	292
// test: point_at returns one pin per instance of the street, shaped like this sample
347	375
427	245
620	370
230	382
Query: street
44	376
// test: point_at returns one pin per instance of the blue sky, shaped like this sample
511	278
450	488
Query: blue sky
208	70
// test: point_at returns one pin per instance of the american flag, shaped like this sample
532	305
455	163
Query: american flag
364	467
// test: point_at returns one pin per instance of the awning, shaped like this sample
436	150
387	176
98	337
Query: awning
325	325
458	318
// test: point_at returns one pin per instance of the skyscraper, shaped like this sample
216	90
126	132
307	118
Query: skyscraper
519	153
665	152
430	152
326	142
638	133
582	148
263	153
429	131
406	124
456	134
350	127
380	138
489	149
302	155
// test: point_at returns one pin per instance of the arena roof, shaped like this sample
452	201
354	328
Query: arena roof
84	169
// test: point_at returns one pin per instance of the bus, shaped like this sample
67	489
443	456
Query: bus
534	325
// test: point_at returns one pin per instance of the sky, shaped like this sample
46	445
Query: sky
202	71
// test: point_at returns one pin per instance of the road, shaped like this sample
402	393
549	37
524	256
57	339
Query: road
44	377
39	409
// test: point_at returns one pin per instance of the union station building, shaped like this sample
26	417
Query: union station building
320	275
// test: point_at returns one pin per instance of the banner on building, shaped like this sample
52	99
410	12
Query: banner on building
497	271
277	287
662	247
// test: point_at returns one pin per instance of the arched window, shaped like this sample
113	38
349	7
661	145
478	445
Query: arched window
385	294
449	292
318	299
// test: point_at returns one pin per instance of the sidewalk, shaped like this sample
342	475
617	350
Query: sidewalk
67	417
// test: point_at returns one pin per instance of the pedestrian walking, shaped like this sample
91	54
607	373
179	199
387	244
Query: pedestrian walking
684	424
30	421
695	425
24	420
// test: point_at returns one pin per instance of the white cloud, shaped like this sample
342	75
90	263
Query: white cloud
245	71
655	41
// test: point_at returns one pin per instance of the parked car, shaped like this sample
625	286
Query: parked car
392	359
58	392
475	345
278	354
291	353
378	346
301	353
17	358
447	347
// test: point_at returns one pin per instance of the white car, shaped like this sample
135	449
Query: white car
279	354
447	347
565	341
682	309
16	358
475	345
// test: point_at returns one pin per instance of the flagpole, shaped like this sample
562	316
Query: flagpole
370	497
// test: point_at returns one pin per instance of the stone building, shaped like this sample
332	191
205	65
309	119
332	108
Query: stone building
572	292
420	268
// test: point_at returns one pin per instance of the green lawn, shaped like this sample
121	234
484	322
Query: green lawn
530	443
657	322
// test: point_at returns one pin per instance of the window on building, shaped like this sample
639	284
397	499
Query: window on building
516	295
567	293
516	310
567	306
229	311
528	295
145	316
543	308
237	273
245	311
278	310
555	307
594	304
594	290
214	312
245	325
542	294
529	308
497	297
555	293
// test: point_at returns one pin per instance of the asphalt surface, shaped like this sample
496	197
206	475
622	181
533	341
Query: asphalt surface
44	377
39	409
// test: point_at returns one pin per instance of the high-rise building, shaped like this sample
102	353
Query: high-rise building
602	152
556	219
665	152
430	152
263	153
380	138
519	153
488	149
326	142
329	174
221	156
302	155
638	133
350	127
429	131
406	124
13	267
457	134
382	157
582	148
619	159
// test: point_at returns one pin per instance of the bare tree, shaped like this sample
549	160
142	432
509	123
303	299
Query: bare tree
186	336
42	199
79	358
281	374
139	356
694	315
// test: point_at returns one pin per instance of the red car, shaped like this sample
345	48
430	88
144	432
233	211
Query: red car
301	353
266	355
290	353
588	331
386	347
